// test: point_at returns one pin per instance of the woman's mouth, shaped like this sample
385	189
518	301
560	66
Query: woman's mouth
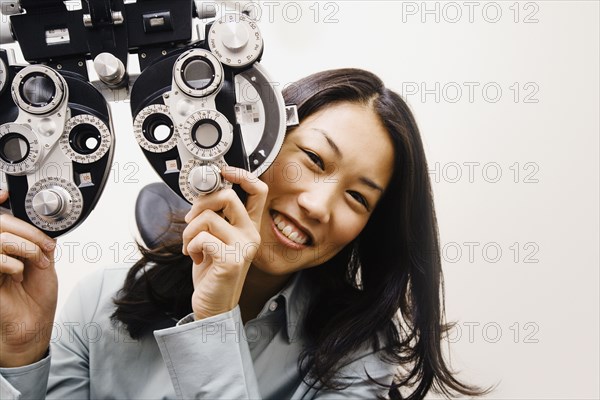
288	232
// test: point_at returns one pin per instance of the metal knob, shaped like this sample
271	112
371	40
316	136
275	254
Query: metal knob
205	179
49	203
109	68
235	36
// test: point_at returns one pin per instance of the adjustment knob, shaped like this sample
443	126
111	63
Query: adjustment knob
234	36
235	40
205	179
110	69
50	203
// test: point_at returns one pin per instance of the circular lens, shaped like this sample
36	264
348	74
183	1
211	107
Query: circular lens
158	128
206	134
85	139
197	73
38	90
14	148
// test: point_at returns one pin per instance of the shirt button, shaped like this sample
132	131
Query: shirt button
273	306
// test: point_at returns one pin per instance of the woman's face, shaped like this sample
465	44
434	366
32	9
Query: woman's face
323	187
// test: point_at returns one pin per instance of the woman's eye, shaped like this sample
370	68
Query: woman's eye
360	198
315	159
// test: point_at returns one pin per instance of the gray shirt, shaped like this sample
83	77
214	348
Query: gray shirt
214	358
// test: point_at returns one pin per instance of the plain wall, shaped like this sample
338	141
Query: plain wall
506	95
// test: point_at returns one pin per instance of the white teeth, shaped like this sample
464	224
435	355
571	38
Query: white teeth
288	231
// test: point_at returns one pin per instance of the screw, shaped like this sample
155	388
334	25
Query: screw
58	66
143	55
164	52
80	63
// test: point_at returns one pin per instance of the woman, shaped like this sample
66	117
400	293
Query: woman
294	295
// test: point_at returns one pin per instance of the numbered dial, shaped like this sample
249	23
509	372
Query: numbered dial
3	75
207	134
38	89
198	178
198	73
154	129
236	40
19	149
54	204
86	139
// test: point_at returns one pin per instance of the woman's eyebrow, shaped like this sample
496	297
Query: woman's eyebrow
338	153
371	184
330	141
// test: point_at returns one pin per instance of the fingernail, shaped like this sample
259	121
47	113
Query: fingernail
49	246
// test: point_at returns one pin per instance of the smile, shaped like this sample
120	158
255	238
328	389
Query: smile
289	233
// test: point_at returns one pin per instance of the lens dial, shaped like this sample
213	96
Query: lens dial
198	178
207	134
38	89
154	129
19	149
198	73
86	139
54	204
236	40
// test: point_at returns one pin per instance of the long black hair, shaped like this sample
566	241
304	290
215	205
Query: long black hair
385	288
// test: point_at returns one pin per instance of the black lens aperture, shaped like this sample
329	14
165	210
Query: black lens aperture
197	73
85	139
14	148
158	128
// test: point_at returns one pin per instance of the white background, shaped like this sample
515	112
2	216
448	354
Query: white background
515	172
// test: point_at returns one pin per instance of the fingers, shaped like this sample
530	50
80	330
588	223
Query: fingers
225	201
13	245
11	266
204	244
211	222
257	191
3	196
21	241
26	231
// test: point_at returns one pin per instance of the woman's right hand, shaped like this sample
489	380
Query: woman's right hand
28	291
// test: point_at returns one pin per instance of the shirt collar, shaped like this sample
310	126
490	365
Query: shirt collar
296	296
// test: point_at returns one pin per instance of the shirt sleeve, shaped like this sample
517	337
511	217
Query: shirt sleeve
28	382
367	377
65	372
209	358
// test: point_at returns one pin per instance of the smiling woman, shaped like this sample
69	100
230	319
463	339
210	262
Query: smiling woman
327	283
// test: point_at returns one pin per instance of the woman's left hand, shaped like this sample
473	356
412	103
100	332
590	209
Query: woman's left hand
222	247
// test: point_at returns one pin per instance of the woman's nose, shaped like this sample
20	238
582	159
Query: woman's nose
316	203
